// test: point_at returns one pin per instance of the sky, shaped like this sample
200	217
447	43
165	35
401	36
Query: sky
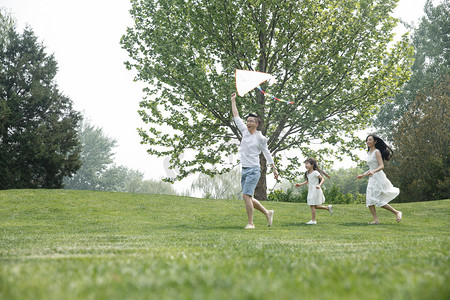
84	37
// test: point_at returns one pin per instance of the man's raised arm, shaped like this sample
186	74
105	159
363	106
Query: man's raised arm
233	105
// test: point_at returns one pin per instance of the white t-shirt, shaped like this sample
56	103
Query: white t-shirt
252	145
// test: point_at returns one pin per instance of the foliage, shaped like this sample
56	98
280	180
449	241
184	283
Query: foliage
150	187
332	58
63	244
421	162
431	61
289	196
99	172
118	178
226	186
38	138
96	156
345	180
333	195
7	23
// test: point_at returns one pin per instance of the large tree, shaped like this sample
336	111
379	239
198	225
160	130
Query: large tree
421	163
332	58
38	138
431	40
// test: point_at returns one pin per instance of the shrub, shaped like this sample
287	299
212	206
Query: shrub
333	195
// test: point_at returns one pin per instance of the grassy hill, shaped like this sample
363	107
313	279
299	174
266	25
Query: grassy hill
61	244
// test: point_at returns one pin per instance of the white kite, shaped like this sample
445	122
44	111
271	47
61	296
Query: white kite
248	80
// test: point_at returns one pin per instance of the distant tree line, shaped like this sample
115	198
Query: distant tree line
99	172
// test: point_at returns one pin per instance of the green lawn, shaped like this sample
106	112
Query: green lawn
61	244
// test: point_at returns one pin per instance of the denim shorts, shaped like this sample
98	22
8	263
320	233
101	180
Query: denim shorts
249	179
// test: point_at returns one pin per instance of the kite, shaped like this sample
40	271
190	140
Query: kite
248	80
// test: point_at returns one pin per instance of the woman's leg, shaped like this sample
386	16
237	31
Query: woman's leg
393	210
374	214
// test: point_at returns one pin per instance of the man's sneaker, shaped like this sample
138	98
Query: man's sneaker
250	226
330	209
311	222
270	218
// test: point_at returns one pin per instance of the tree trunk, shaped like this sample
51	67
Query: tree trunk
261	187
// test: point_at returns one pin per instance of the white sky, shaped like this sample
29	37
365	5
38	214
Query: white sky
84	36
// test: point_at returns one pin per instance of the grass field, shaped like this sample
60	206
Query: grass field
61	244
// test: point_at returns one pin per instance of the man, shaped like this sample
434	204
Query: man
252	144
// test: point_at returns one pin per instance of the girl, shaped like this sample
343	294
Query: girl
314	180
379	189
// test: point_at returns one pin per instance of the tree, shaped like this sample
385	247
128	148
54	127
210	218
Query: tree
7	23
225	186
344	179
150	187
38	138
330	57
118	178
421	163
432	61
96	156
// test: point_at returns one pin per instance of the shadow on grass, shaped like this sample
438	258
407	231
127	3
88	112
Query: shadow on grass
355	224
204	227
297	224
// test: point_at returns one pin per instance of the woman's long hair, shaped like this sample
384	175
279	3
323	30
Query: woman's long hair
385	150
313	162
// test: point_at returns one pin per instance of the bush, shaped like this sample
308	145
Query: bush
333	195
289	196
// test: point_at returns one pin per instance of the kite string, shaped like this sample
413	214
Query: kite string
270	95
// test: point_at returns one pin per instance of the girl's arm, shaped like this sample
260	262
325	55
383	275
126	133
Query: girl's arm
321	181
300	184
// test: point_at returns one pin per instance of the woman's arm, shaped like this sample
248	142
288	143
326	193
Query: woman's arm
380	163
380	167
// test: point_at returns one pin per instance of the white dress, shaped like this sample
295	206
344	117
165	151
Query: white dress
315	196
380	190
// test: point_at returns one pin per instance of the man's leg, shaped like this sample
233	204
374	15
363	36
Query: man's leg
249	208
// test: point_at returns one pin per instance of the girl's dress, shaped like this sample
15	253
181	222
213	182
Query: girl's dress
315	196
380	190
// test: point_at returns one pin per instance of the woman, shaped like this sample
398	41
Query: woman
380	190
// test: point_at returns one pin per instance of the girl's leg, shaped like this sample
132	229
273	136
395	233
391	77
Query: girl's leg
393	210
374	214
313	212
322	207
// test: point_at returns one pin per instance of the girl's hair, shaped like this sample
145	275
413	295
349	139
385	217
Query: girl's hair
313	162
385	150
